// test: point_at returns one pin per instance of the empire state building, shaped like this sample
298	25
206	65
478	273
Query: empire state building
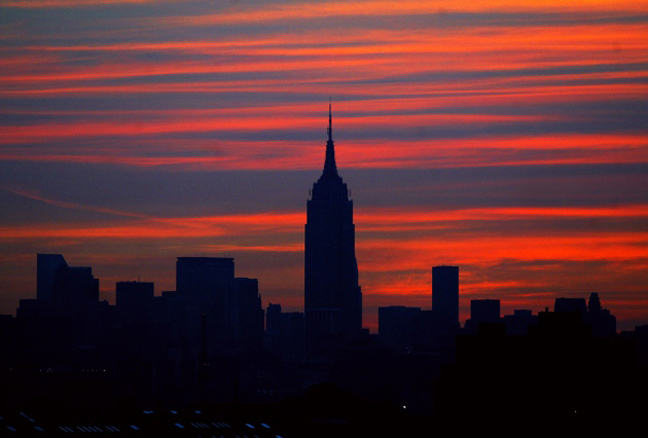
332	296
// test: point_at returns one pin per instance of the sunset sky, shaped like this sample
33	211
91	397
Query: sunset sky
509	138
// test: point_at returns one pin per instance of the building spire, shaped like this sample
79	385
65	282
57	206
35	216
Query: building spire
330	128
330	169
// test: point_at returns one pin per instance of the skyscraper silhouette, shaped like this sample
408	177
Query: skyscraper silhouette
47	266
445	297
332	296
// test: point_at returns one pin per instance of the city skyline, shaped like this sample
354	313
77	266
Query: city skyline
204	348
506	139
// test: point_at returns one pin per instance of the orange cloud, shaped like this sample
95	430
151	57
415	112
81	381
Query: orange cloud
261	155
305	11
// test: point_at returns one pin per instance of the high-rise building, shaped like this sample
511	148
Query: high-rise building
201	275
284	331
204	287
47	265
519	323
273	326
445	296
485	310
75	292
133	293
63	287
212	305
332	296
570	305
482	311
247	312
603	323
134	301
